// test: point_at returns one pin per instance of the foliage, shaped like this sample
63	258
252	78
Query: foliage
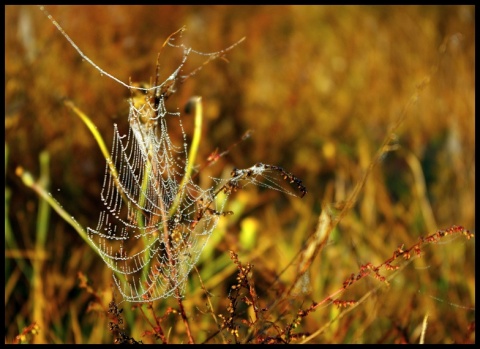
322	88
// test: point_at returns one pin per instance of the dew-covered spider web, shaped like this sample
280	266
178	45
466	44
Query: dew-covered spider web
156	220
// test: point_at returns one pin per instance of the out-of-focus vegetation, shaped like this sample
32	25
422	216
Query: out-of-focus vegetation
320	86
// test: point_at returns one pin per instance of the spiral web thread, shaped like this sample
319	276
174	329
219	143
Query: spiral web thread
140	234
156	220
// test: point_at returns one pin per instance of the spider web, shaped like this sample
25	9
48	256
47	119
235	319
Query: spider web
142	234
156	220
154	225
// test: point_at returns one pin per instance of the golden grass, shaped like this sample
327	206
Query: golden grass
321	87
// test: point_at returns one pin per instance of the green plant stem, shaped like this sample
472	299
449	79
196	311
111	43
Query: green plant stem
197	134
43	219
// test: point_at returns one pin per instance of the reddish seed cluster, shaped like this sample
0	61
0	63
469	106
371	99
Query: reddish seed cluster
368	268
417	250
388	266
456	229
349	281
115	316
379	277
32	329
344	304
228	322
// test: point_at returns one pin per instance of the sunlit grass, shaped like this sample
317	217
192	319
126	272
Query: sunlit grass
321	88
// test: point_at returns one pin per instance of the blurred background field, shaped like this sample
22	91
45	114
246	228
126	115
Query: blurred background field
320	87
